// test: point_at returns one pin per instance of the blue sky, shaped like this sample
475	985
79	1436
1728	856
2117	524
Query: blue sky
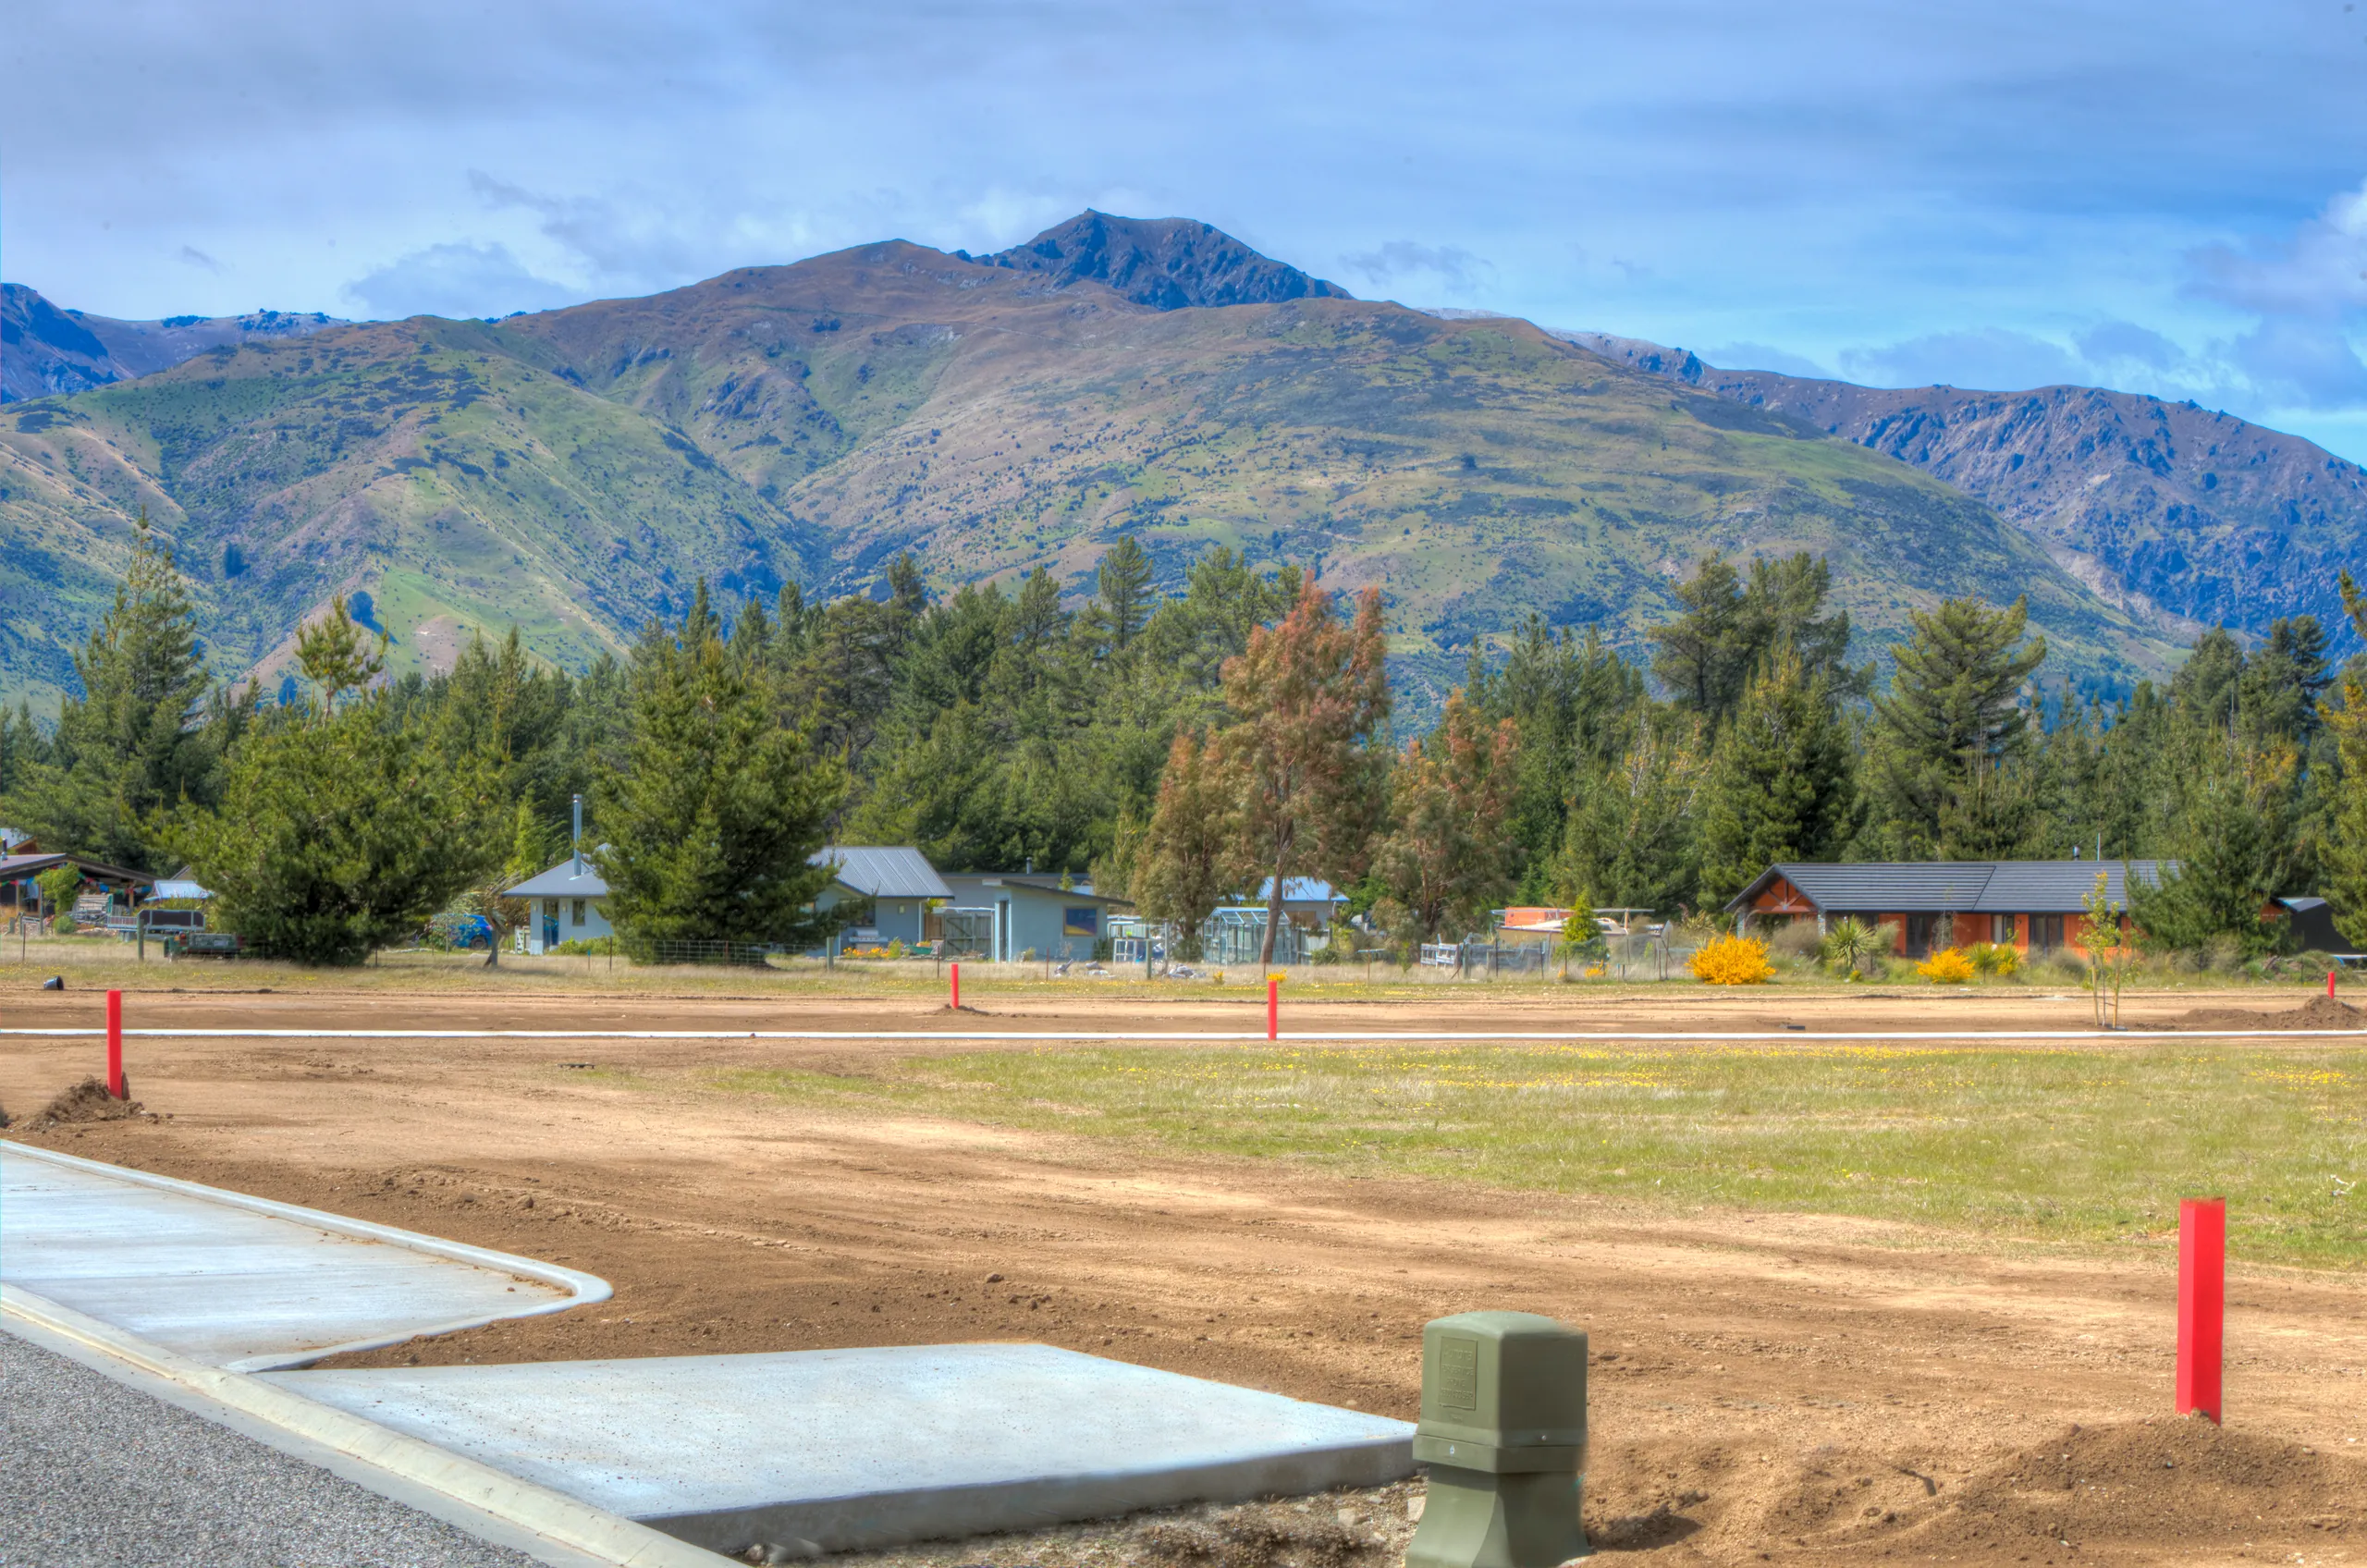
2168	197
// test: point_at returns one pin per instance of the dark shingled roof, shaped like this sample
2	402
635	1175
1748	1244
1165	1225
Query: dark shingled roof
1963	887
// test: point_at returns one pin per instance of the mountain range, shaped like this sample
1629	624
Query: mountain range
44	350
573	472
2186	516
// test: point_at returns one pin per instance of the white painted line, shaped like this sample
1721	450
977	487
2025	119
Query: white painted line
1255	1036
562	1519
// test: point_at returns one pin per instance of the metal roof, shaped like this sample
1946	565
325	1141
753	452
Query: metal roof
1303	890
1964	887
883	872
570	879
169	889
14	867
973	881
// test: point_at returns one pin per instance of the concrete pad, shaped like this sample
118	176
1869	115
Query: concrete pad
243	1282
842	1448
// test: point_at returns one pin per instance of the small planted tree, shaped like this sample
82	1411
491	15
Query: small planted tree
2111	954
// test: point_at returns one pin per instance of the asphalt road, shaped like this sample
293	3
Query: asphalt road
94	1473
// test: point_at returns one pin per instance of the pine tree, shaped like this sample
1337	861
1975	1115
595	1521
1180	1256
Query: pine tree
2234	847
2346	849
1123	603
1449	856
1631	839
335	837
129	747
1309	695
1952	723
1703	656
336	655
720	806
1729	631
1782	786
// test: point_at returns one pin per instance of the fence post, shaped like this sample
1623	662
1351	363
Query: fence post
114	1045
2202	1303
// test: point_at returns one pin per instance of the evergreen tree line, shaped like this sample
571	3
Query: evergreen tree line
1181	748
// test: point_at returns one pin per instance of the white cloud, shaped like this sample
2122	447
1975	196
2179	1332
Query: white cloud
1989	358
456	280
1762	356
1455	269
2320	270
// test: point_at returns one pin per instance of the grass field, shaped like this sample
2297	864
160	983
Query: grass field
2090	1147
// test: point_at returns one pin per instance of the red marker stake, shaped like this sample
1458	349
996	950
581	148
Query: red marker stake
2329	982
1273	1008
114	1044
2202	1303
957	987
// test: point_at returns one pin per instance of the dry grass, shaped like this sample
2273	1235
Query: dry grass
2085	1146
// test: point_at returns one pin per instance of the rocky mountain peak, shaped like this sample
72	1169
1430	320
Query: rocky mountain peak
1167	263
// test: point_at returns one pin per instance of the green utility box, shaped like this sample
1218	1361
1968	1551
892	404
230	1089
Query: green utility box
1503	1432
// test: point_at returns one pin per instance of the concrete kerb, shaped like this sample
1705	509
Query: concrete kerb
575	1526
583	1289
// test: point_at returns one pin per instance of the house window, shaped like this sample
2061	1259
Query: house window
1086	922
550	909
575	913
2046	932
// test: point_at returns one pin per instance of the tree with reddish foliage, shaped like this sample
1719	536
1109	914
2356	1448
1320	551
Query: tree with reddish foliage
1190	854
1449	856
1308	697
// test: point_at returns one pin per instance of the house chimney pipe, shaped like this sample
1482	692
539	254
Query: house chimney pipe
576	842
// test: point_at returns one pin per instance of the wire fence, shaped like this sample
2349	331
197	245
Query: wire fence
746	955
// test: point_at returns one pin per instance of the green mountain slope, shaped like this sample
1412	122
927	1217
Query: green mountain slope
423	463
573	472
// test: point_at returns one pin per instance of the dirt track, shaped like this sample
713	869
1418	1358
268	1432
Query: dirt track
1784	1388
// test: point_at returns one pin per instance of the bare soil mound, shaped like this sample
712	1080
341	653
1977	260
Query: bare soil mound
2144	1489
2318	1012
88	1101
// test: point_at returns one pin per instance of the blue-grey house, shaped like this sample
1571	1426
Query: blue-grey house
566	905
885	890
1025	914
889	889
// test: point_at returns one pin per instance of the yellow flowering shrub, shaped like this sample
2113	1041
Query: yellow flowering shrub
1731	960
1948	967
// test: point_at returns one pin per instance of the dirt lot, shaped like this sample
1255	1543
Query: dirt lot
1767	1387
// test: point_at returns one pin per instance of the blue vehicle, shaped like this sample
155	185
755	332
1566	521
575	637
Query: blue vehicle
460	932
